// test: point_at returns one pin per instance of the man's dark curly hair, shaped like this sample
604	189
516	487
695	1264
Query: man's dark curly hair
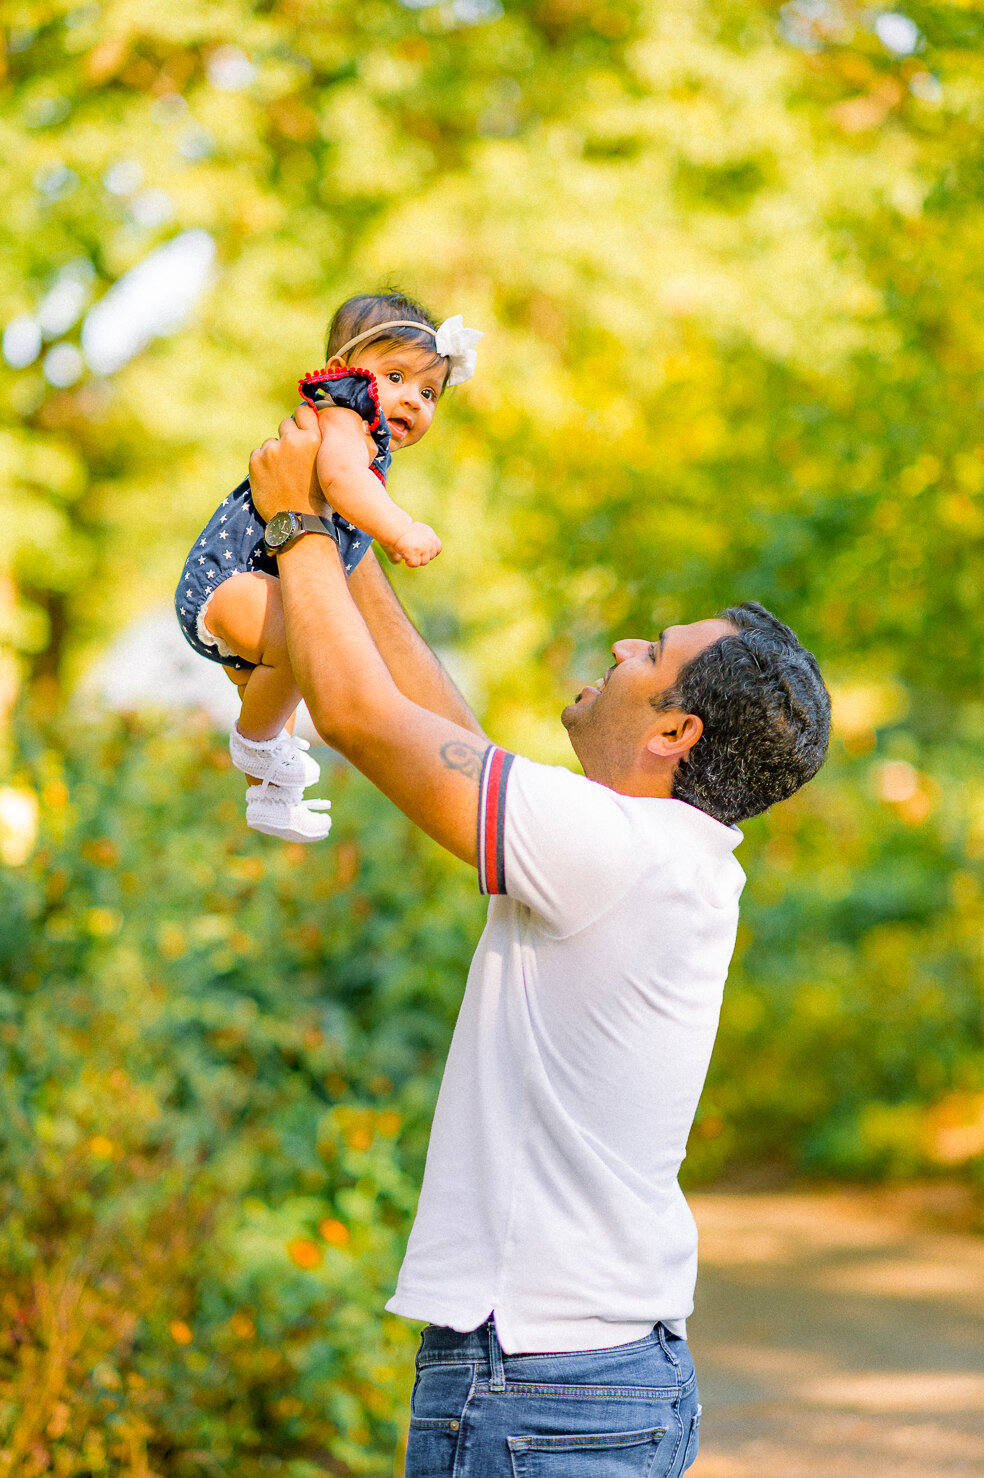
766	716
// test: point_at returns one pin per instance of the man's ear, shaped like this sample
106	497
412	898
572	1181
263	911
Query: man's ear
676	736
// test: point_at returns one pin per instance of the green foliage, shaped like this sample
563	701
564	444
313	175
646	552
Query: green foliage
852	1035
727	260
218	1062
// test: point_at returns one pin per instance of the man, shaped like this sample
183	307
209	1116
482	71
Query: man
550	1218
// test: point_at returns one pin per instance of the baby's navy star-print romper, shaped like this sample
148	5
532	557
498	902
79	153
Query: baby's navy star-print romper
231	543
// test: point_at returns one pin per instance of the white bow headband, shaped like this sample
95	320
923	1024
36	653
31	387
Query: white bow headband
452	341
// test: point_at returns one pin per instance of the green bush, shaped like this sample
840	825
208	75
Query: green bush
219	1057
852	1034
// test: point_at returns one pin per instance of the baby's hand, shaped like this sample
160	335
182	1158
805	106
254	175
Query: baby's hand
417	545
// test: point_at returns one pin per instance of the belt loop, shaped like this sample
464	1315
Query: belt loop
661	1335
496	1370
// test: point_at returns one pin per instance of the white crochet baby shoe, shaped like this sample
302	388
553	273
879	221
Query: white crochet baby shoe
281	811
281	761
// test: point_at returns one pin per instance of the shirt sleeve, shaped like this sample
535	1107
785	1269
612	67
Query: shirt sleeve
553	840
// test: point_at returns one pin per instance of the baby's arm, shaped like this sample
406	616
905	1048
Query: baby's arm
355	491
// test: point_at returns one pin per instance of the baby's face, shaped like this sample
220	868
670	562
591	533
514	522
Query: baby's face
409	384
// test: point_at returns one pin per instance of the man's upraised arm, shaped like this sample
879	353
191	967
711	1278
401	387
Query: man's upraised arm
426	763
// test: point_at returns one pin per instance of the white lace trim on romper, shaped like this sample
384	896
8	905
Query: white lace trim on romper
207	637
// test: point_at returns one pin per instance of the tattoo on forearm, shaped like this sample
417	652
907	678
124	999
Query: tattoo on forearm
459	756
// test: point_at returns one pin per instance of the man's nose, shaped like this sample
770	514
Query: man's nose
627	647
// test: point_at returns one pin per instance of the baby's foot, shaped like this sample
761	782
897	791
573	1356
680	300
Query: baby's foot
281	811
281	761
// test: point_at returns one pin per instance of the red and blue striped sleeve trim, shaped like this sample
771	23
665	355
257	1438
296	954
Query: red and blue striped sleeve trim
492	820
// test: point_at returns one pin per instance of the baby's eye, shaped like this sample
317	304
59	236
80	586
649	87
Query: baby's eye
429	394
395	376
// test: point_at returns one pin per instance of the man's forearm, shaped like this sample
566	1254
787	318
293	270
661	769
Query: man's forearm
339	670
415	669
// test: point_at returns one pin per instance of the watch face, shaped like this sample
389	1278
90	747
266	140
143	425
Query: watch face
279	529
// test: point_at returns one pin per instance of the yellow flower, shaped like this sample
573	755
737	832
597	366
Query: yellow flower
102	923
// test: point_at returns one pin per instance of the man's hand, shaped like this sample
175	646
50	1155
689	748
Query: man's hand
417	545
282	472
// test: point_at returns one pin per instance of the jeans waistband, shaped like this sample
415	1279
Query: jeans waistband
481	1345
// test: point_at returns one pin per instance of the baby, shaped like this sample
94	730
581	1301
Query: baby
387	367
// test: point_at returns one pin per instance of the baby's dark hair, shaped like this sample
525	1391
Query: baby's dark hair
358	314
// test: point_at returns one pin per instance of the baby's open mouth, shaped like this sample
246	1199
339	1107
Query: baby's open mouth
400	424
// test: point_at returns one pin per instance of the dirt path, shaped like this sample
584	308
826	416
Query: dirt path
837	1333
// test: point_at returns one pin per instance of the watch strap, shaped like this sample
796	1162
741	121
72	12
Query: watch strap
311	523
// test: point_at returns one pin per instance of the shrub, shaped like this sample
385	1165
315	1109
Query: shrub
219	1056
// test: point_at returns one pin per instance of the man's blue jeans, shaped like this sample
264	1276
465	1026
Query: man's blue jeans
630	1411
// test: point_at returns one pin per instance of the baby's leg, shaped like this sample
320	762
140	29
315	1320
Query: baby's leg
246	613
240	676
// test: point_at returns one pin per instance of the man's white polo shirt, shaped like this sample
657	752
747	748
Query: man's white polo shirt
550	1195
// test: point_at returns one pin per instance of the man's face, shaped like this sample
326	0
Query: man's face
609	721
409	381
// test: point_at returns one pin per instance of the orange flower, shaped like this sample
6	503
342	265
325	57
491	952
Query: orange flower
334	1232
180	1332
304	1252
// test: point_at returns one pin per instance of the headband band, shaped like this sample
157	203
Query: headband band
377	328
452	341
